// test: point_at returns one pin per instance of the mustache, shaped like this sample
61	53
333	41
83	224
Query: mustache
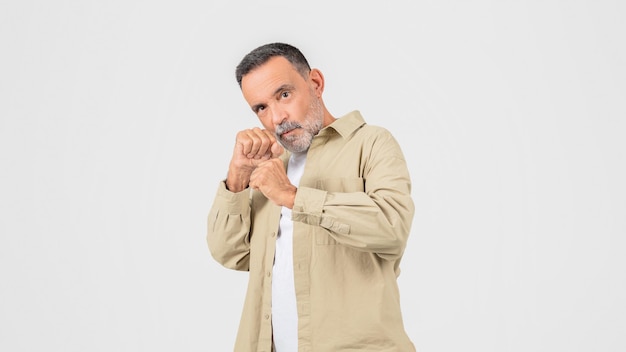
286	127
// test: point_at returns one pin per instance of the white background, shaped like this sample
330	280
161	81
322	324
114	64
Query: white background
117	120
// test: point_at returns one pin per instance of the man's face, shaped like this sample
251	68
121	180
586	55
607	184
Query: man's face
285	103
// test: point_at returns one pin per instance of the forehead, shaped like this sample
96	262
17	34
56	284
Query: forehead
262	81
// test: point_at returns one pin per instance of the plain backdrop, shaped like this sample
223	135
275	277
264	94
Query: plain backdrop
117	120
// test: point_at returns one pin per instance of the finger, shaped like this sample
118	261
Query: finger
262	142
245	141
250	142
256	178
254	143
267	156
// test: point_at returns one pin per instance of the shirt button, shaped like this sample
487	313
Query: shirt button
267	316
269	274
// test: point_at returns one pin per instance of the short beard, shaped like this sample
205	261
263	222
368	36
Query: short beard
311	126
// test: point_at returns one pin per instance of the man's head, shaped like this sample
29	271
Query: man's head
285	94
262	54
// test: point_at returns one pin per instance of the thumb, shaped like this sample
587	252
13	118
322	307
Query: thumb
277	150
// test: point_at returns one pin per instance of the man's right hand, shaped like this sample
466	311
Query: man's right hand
252	147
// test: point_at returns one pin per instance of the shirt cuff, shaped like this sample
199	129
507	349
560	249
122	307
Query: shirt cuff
308	205
235	203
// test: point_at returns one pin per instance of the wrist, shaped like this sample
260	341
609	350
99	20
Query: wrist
291	198
237	181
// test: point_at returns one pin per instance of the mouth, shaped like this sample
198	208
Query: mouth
288	132
286	129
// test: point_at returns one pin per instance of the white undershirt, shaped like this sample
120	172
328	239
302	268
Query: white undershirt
284	309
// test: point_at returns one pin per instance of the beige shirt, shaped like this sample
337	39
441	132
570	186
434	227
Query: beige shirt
352	217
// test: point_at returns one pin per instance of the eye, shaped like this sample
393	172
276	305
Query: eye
259	109
285	94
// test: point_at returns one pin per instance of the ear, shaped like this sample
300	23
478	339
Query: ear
317	81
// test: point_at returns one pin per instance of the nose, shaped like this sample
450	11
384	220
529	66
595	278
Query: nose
278	114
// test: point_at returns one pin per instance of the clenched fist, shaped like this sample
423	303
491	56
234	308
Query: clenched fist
252	147
271	179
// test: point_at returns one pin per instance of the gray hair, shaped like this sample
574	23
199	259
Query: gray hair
262	54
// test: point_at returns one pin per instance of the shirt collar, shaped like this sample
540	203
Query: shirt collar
348	123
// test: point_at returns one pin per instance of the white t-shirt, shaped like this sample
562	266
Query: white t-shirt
284	309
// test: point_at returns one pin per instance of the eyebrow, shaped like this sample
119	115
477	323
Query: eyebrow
278	90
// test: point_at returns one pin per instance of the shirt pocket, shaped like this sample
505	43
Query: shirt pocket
343	184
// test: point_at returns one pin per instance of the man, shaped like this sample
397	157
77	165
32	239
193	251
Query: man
321	226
